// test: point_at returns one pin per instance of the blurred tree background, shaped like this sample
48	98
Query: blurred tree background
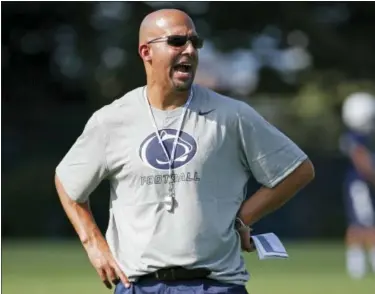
294	62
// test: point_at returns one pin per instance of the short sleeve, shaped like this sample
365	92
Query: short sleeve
84	166
269	154
349	141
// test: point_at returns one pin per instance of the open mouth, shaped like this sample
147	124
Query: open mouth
183	67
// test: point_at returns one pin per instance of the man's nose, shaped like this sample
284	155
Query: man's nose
189	48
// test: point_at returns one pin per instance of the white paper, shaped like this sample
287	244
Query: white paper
269	246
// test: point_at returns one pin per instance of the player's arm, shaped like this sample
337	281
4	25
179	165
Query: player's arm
77	176
363	162
274	161
267	200
79	215
91	237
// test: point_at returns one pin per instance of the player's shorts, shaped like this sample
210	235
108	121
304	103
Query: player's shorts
201	286
359	202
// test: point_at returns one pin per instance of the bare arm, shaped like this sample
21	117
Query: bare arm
92	239
80	216
266	200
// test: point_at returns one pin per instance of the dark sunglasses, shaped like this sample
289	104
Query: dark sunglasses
179	41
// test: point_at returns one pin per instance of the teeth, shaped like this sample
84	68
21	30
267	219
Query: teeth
183	67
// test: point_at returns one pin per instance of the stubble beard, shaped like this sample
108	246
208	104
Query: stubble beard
183	86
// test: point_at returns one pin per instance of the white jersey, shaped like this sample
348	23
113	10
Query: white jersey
223	142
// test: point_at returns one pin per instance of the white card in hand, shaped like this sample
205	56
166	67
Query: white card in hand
268	246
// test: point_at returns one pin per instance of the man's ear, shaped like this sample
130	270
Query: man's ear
145	52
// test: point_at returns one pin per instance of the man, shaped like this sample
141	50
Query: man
358	143
178	157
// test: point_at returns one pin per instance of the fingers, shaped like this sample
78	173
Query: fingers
121	276
249	247
110	277
252	245
246	242
103	276
107	268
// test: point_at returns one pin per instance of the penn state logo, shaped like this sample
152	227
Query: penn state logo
152	153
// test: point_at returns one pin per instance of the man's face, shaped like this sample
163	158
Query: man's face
174	61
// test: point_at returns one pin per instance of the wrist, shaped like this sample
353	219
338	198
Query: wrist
245	216
240	225
91	238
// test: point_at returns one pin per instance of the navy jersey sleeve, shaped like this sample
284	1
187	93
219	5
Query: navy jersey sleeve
350	140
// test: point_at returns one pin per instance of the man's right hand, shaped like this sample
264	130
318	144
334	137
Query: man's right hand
92	239
102	260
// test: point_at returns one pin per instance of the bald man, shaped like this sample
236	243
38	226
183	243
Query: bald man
178	157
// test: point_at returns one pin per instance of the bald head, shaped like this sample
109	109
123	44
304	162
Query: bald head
162	22
171	58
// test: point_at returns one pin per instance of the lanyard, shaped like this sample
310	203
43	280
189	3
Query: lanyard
174	146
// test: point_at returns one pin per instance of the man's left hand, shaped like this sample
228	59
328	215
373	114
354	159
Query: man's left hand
246	243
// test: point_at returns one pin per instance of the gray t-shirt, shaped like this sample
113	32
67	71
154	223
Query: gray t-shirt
223	142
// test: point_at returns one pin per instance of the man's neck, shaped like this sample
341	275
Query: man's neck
166	100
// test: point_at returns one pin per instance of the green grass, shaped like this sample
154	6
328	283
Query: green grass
63	268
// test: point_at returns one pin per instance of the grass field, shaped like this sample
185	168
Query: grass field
63	268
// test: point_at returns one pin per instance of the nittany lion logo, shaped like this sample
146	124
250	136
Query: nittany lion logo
152	153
